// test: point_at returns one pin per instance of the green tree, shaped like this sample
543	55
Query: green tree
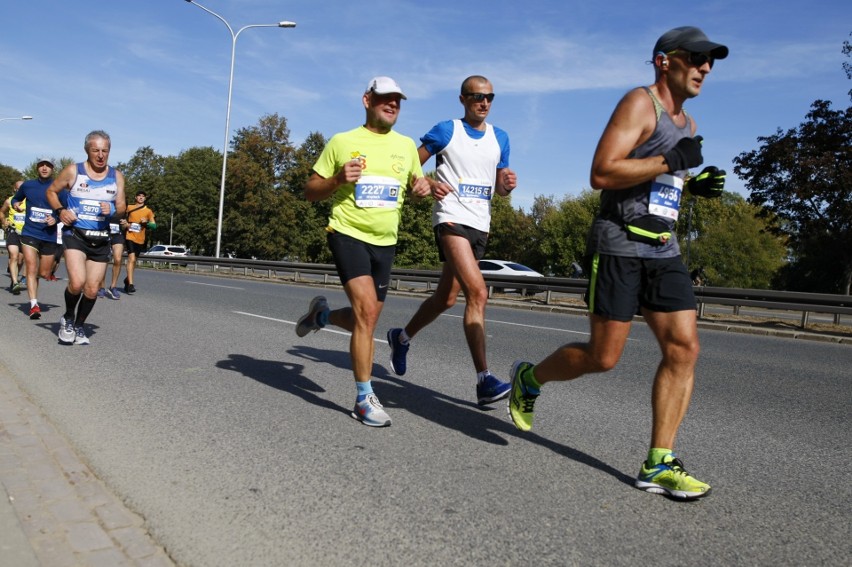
8	177
730	242
187	199
258	211
801	180
416	245
143	172
513	233
562	229
307	240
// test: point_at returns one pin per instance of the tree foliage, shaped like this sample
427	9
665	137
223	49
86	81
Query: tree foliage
8	177
729	241
801	181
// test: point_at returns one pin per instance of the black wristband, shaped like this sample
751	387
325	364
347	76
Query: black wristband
59	210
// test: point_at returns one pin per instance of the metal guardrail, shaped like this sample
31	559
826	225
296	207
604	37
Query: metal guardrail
552	287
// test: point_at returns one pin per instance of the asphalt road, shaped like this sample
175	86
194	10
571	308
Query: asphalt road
199	406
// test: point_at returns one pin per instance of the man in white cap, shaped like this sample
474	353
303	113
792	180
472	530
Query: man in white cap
38	237
641	166
366	172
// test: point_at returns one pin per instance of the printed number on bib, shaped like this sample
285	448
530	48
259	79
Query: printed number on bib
90	211
665	196
377	191
477	191
38	215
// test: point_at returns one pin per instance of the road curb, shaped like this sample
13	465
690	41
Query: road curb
54	510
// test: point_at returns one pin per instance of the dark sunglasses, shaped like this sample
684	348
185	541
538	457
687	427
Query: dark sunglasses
696	59
479	97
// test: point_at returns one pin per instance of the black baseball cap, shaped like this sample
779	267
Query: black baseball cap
689	38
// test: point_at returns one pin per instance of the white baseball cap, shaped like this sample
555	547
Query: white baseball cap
383	86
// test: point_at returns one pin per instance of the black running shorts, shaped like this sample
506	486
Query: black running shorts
96	253
355	258
478	239
619	286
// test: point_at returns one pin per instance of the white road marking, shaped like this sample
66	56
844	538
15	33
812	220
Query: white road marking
215	285
335	331
527	326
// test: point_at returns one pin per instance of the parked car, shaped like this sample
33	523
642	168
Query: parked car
167	250
490	267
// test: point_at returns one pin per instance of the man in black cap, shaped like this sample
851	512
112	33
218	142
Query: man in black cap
641	166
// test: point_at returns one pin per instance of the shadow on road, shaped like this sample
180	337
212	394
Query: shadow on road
281	376
466	417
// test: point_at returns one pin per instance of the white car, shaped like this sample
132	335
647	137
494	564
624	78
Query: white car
505	268
167	250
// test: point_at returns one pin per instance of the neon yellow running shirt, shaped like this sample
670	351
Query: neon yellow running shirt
16	219
371	208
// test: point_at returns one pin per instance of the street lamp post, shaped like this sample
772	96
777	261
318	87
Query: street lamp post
234	36
17	118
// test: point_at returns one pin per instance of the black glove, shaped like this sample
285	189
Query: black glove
709	183
685	154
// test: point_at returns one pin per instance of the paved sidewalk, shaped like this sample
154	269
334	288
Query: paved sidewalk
54	512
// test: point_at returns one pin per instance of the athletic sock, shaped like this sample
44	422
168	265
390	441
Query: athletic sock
480	376
83	310
528	378
403	337
364	389
322	318
71	304
656	455
33	302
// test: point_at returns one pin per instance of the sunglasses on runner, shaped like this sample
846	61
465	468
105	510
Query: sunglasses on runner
479	97
696	59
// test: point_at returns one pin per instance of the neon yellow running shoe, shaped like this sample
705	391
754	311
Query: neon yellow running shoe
670	478
521	402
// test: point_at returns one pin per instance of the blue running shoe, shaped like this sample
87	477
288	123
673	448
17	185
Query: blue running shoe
101	293
398	352
491	390
370	412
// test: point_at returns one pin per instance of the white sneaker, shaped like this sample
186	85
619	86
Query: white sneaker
80	338
370	412
308	322
66	331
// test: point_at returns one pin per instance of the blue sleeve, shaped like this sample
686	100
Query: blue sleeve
503	140
438	137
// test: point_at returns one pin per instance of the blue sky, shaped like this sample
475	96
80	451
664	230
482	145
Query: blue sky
155	72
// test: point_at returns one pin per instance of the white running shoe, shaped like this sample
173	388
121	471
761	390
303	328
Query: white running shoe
370	412
80	338
66	331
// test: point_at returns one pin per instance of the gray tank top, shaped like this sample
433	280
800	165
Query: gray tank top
659	197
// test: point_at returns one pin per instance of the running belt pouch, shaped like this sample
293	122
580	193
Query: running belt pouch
92	237
649	229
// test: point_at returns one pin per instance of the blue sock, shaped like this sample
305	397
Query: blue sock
322	318
364	389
